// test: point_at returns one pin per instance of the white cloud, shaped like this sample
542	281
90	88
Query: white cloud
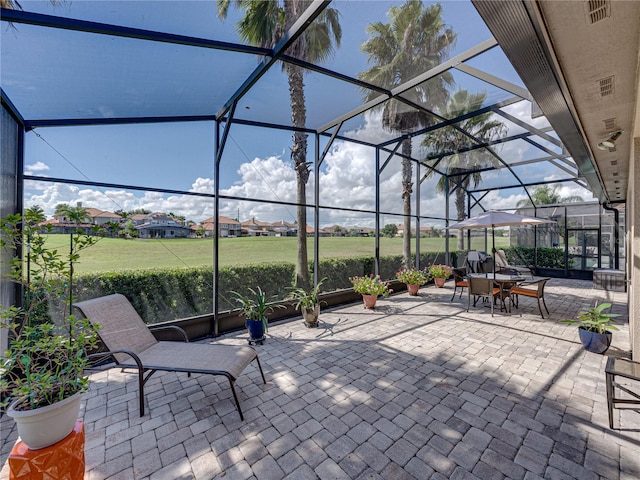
36	167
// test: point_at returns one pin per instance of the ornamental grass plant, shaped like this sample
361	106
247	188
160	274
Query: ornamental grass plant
370	285
412	276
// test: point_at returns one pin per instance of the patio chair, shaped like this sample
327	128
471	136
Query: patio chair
485	288
537	293
501	263
459	281
132	345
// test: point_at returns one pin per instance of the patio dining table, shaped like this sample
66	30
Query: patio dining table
505	282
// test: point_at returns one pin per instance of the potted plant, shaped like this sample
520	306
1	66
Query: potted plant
255	308
41	375
308	303
595	326
440	273
413	278
370	287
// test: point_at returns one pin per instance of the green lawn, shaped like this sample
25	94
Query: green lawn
111	254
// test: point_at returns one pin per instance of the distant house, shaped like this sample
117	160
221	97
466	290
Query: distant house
426	232
228	227
321	232
336	231
160	225
101	217
285	229
256	228
361	231
95	217
138	218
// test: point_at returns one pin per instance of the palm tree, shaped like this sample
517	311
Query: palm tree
414	41
264	23
462	165
547	195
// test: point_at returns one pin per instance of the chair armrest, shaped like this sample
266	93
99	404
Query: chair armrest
179	331
533	281
110	354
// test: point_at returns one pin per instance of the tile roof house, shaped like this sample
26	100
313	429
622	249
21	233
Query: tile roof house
285	229
160	225
228	227
256	228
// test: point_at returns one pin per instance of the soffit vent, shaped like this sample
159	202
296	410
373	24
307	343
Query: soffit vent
517	26
610	124
606	86
598	10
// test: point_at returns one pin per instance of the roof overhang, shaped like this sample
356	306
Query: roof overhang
580	61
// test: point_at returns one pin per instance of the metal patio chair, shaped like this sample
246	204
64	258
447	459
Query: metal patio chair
459	281
537	293
485	288
132	345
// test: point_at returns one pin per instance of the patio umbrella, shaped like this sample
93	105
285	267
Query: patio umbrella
494	218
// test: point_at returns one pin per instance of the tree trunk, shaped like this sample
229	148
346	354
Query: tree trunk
299	158
407	190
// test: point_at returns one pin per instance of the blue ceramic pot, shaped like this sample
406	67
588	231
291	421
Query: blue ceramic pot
256	329
594	342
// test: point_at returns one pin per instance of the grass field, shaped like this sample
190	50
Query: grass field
111	254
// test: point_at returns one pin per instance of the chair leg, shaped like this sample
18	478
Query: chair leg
235	397
609	379
545	306
261	372
454	293
141	390
540	308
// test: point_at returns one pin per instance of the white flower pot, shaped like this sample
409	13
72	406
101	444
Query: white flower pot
44	426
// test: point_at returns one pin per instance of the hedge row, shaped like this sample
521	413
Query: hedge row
547	257
166	294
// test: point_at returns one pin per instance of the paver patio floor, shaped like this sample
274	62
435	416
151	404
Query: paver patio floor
417	388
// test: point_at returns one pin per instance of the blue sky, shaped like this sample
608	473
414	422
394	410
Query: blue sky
256	162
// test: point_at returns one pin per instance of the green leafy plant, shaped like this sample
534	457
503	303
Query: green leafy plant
411	276
594	319
255	306
440	271
47	352
45	362
370	285
306	298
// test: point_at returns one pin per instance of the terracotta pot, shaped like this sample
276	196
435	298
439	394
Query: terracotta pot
369	300
439	282
413	288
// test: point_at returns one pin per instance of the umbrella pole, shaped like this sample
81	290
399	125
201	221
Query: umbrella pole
493	249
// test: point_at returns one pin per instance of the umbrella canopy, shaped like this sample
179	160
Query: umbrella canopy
493	218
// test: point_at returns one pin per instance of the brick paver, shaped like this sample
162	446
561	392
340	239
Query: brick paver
417	388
